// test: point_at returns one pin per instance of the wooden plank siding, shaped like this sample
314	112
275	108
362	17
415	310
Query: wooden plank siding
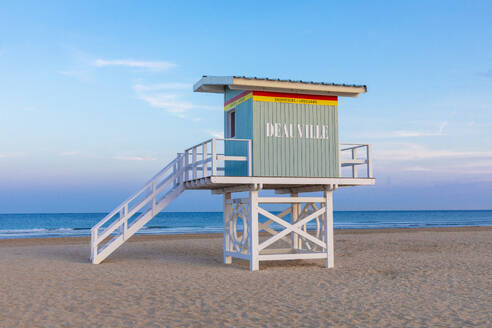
294	157
283	156
244	130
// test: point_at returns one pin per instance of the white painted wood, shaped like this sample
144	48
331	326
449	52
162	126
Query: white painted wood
354	168
291	227
299	256
295	217
330	243
227	213
144	198
191	170
280	200
214	159
205	158
279	181
253	231
194	159
369	161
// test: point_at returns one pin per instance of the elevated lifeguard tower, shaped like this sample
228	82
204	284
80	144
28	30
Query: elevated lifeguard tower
280	135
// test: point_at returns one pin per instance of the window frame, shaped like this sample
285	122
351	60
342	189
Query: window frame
231	125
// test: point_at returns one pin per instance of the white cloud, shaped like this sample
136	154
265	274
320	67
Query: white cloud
12	155
162	86
216	134
410	152
150	65
170	97
133	158
405	133
70	153
417	169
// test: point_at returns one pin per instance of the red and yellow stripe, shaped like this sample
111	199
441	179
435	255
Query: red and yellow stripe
280	97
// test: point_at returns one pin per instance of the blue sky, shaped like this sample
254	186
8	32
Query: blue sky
96	96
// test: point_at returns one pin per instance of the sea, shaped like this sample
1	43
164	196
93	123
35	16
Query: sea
43	225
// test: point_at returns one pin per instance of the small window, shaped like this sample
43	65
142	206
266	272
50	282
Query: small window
231	124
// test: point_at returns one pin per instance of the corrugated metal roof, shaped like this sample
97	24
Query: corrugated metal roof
298	81
217	84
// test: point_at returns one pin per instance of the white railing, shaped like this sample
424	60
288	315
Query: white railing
200	161
353	155
126	219
208	158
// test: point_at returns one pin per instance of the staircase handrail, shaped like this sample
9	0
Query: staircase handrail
135	195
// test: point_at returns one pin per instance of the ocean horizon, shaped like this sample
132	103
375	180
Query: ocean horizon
51	225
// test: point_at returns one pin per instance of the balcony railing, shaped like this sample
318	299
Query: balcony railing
208	158
353	156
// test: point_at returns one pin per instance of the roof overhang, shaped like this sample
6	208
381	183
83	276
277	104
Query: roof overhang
217	84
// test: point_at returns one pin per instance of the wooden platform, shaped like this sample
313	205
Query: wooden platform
221	184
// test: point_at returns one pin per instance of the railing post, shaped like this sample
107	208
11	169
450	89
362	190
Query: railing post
214	155
175	170
250	164
94	243
193	162
369	161
121	228
354	167
186	163
204	158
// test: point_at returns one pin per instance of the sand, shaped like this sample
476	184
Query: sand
411	278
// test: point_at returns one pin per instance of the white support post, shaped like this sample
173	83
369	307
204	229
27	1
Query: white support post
295	216
227	214
204	158
214	157
254	263
330	244
369	161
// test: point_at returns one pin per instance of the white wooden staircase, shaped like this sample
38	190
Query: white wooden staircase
125	220
197	162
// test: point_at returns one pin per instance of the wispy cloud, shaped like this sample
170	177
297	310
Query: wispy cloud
150	65
133	158
69	153
412	152
170	97
407	133
162	86
12	155
417	169
216	134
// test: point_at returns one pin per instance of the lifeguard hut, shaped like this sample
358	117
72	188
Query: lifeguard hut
279	135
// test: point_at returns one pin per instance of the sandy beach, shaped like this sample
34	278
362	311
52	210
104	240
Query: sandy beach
383	278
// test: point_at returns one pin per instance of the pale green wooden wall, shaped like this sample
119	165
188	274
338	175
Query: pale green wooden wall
299	157
283	157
